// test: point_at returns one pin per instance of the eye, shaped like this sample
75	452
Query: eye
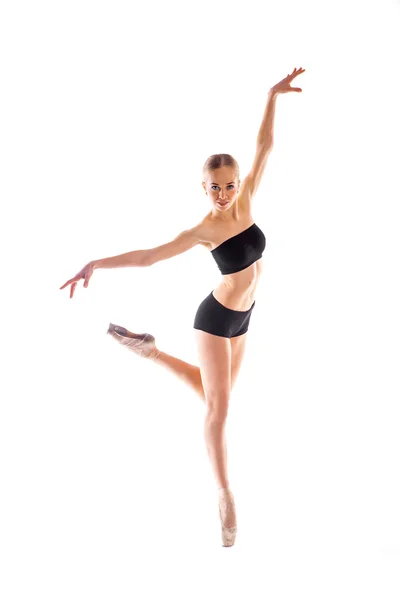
231	186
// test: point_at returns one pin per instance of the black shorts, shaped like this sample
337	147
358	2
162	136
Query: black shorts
214	317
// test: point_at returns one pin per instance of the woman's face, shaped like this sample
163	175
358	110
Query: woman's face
222	188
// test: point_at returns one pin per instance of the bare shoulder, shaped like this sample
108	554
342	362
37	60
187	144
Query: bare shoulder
184	241
211	232
203	231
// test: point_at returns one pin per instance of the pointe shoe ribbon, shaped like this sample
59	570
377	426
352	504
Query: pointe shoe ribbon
142	344
228	533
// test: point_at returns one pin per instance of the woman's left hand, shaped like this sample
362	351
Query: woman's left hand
284	86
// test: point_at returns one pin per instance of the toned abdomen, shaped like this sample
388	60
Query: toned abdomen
237	291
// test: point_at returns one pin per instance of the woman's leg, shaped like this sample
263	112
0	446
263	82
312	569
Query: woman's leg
186	372
143	344
215	362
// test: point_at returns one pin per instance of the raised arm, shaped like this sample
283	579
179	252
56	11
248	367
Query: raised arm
265	138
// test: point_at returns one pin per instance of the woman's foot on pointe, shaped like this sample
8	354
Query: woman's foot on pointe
142	344
227	515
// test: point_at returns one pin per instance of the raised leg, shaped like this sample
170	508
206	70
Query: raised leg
190	374
143	344
186	372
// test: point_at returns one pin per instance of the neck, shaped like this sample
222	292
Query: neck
230	215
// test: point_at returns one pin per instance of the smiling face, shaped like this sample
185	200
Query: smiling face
222	187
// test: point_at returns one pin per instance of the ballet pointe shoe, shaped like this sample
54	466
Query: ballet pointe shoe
142	344
226	501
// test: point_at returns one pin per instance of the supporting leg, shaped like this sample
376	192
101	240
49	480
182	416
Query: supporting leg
214	435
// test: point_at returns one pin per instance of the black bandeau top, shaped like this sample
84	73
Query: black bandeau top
240	251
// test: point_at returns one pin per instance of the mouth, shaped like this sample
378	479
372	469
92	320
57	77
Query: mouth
221	203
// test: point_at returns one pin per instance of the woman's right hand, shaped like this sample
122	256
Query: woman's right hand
84	273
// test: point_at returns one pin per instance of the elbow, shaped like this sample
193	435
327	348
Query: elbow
266	144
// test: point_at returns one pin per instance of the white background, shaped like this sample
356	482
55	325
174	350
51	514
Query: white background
108	113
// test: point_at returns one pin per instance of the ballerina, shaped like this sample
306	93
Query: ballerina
236	243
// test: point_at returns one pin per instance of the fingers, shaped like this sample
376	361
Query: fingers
87	277
296	72
75	278
65	284
73	281
85	274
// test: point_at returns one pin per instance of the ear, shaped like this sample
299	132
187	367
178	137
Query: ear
204	186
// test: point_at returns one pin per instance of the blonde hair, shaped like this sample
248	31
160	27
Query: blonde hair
216	161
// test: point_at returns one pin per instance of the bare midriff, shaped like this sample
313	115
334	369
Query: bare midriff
236	290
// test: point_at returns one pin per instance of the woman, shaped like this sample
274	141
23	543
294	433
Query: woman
222	319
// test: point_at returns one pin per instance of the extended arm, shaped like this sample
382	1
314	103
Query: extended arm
136	258
140	258
145	258
265	138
